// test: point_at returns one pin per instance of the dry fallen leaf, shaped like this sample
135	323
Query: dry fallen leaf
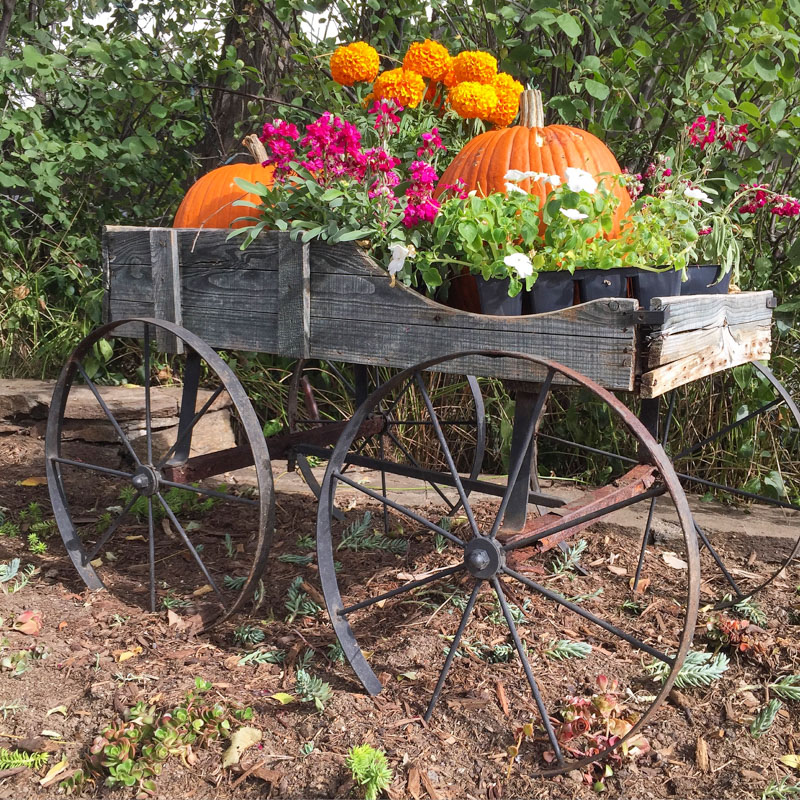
617	570
672	560
58	710
54	772
240	741
413	782
29	622
204	589
283	697
124	655
34	481
791	760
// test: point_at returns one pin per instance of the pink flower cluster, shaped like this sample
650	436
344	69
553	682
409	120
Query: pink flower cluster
703	132
333	149
781	205
786	206
431	142
758	197
278	136
387	121
634	183
421	205
705	231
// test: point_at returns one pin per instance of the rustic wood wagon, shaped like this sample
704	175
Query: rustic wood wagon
190	293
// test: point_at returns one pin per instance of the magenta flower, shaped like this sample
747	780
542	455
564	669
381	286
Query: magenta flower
431	142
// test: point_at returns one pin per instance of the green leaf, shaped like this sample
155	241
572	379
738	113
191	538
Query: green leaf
749	109
569	25
350	236
596	89
777	111
764	68
252	188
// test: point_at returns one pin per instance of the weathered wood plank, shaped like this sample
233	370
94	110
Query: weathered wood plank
397	343
729	353
672	347
166	286
294	298
706	311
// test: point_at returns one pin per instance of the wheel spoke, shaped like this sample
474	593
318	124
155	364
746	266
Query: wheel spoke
112	529
93	467
448	456
759	498
151	550
513	474
687	451
147	422
406	587
572	522
382	458
537	695
704	539
209	492
401	508
452	652
645	541
416	463
174	520
607	626
190	427
107	411
588	449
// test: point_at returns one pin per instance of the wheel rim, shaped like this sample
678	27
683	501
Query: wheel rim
153	504
485	563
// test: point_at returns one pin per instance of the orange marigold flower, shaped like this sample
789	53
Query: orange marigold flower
428	58
368	100
354	63
470	100
402	85
474	66
449	77
508	91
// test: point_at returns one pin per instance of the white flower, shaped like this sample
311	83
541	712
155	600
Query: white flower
512	187
399	255
555	180
572	213
520	263
516	175
473	193
579	180
696	194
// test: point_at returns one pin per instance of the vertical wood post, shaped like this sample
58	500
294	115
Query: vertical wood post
166	285
517	509
294	298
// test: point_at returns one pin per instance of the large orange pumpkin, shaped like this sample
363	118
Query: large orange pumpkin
209	201
484	161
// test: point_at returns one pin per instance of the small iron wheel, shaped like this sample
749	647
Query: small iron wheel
461	591
141	518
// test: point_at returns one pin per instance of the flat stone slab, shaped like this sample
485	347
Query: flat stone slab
31	398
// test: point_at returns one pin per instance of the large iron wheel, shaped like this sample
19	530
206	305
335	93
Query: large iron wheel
758	424
127	517
481	562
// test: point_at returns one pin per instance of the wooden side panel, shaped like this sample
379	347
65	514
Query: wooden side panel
166	285
693	312
357	316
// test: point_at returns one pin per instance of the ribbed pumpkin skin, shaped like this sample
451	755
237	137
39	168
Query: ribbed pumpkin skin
209	202
484	161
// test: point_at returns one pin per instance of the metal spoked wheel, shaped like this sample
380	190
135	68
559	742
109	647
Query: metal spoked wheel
134	517
473	594
404	437
734	440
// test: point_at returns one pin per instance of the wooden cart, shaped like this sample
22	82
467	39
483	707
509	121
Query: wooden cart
190	293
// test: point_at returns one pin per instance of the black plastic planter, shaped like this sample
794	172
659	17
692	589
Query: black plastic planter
599	283
494	298
551	292
701	280
647	285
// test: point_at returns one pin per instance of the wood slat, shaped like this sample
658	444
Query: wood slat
726	353
166	286
707	311
666	349
294	295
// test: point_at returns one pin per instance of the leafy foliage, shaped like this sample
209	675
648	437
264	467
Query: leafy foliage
564	649
358	536
262	657
699	669
566	562
369	769
11	572
9	759
765	718
298	603
311	689
788	687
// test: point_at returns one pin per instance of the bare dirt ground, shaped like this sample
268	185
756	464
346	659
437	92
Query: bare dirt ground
98	654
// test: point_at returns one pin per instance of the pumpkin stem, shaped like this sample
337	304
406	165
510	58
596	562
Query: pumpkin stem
531	109
256	148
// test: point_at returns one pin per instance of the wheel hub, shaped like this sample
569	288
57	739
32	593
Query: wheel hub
145	481
484	557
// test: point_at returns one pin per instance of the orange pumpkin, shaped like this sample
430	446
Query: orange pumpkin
209	201
484	161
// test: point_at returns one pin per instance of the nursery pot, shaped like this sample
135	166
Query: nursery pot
494	298
599	283
551	292
701	279
647	285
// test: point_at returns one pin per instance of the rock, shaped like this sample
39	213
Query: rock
664	531
575	775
